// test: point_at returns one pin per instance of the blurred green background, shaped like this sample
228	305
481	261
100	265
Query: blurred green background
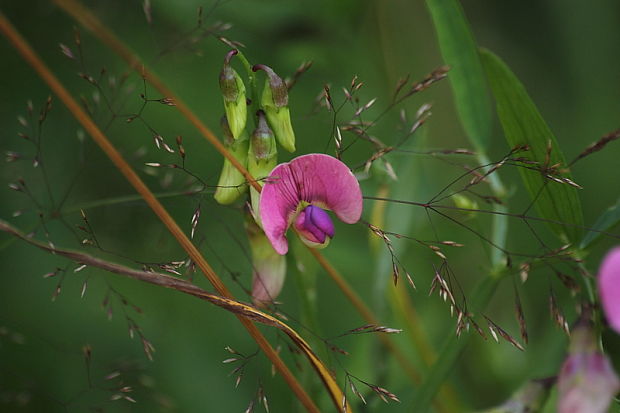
565	53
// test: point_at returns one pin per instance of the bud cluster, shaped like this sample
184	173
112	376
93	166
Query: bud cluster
257	150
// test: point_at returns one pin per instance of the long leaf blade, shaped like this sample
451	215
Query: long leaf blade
466	75
523	125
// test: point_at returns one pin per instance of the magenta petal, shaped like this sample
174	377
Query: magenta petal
317	179
609	287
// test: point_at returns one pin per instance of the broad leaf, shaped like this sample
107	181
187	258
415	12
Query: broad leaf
523	125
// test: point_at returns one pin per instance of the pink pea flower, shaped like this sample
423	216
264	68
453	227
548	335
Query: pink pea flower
298	192
609	287
587	382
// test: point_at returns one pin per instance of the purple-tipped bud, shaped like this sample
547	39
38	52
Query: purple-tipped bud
274	101
587	381
609	287
233	91
262	157
315	226
263	142
228	79
277	86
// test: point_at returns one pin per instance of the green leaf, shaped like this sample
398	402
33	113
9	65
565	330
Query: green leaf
523	125
609	219
473	105
471	98
466	75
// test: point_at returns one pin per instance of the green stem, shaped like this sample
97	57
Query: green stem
500	221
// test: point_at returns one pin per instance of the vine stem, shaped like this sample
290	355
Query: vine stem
92	23
37	64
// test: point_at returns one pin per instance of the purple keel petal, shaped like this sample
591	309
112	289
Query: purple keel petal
314	224
321	220
317	179
609	287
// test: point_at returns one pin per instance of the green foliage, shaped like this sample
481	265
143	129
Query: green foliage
459	50
608	220
523	125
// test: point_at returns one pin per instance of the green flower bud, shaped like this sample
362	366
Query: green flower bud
263	143
233	91
262	157
274	102
465	203
232	183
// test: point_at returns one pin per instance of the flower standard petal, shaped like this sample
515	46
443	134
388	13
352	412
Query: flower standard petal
609	287
314	179
325	181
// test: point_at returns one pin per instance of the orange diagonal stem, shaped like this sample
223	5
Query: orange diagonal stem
31	57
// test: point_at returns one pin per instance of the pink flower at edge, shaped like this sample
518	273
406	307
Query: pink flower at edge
609	287
296	193
587	382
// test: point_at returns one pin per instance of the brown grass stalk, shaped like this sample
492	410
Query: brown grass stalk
35	62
